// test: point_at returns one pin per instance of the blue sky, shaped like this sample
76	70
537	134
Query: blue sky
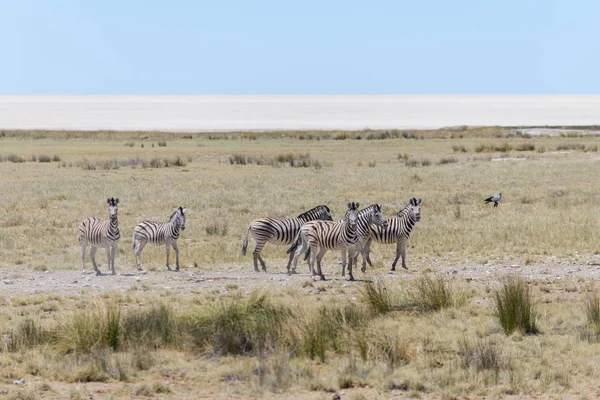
301	47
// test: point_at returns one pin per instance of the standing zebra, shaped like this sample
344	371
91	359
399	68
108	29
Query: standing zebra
101	233
328	235
397	231
280	231
366	217
157	233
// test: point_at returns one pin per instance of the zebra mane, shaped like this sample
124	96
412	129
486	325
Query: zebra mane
172	215
368	209
306	213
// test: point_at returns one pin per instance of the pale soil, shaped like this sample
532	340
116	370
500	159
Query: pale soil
17	282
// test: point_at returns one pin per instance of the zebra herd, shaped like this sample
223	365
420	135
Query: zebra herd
101	233
316	233
311	234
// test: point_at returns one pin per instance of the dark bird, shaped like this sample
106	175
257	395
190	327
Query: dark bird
494	199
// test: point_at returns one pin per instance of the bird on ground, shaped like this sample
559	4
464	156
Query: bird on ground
494	199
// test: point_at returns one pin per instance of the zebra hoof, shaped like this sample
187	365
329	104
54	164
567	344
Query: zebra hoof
363	269
351	279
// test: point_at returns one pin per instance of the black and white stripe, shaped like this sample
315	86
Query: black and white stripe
366	217
159	233
397	231
280	231
319	236
101	233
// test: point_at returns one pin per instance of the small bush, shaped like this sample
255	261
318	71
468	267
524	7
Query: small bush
515	308
432	294
43	158
129	144
162	144
447	160
216	229
570	146
56	158
14	158
525	147
459	149
483	355
377	297
494	148
238	326
94	329
154	327
592	309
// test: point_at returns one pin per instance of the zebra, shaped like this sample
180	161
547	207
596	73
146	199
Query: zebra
158	233
101	233
366	217
280	231
327	235
397	231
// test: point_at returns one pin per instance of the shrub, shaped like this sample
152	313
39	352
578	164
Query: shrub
459	149
15	158
514	307
525	147
238	326
43	158
447	160
162	144
154	327
377	297
216	229
94	329
431	294
483	355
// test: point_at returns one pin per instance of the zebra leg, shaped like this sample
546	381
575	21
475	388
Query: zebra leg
360	249
351	260
168	247
113	255
302	250
93	258
290	264
176	256
138	253
403	252
256	255
343	262
319	257
262	263
83	245
367	254
108	250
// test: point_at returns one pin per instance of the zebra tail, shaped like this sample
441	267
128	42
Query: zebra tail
294	245
307	254
245	242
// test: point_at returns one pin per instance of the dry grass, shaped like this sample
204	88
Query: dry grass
413	334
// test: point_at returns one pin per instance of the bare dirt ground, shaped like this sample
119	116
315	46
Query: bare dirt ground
194	280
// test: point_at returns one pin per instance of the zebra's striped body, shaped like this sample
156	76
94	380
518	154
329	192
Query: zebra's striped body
367	218
159	233
319	236
398	231
101	233
280	231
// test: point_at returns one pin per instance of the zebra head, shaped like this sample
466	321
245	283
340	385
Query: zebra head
377	217
113	208
352	215
415	208
326	213
178	217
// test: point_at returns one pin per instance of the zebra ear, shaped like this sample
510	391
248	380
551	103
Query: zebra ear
413	202
183	210
350	205
357	205
117	200
419	201
108	201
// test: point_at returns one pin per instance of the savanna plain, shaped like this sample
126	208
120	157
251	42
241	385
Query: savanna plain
496	302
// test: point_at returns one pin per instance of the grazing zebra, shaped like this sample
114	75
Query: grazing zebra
280	231
158	233
494	199
101	233
366	217
397	231
327	235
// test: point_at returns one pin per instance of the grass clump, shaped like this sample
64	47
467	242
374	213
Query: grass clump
481	355
94	329
154	327
459	149
447	160
376	296
494	148
432	293
238	326
515	308
525	147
